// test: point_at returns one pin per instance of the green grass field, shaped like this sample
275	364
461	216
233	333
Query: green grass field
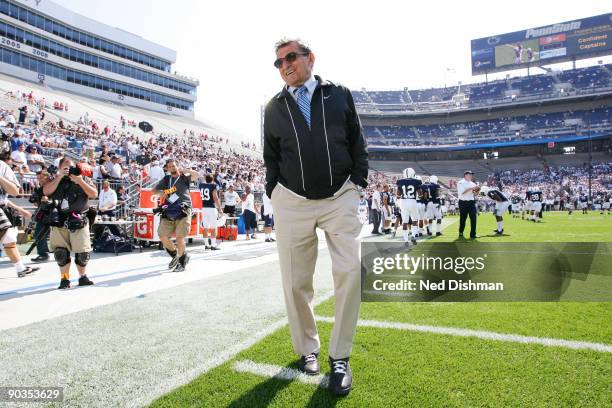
406	368
554	227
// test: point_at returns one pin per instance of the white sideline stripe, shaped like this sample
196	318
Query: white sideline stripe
481	334
281	373
229	353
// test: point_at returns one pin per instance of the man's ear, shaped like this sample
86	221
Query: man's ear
311	59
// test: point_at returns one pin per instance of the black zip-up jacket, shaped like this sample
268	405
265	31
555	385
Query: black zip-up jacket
314	163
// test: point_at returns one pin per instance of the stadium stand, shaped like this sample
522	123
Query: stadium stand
543	86
550	125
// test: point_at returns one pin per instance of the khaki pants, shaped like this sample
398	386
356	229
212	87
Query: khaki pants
77	241
296	219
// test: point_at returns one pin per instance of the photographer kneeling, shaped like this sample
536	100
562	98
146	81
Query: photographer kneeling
175	212
70	227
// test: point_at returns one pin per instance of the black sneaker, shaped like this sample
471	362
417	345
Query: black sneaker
253	236
215	248
64	284
182	264
173	263
27	271
414	241
438	234
206	247
309	364
84	281
341	376
499	232
268	240
41	258
272	240
429	233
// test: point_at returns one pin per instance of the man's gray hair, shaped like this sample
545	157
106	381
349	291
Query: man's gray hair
283	42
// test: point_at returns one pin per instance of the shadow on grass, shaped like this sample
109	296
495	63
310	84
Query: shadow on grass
263	394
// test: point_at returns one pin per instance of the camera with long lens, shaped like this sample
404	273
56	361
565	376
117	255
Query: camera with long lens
35	197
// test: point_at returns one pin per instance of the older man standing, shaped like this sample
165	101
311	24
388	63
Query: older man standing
316	161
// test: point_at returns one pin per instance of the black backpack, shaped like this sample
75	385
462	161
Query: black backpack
109	243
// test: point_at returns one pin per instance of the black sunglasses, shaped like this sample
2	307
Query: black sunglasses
292	56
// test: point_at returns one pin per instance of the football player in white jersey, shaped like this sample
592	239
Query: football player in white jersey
408	186
433	210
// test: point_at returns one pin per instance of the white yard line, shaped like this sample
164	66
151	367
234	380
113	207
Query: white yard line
482	334
279	372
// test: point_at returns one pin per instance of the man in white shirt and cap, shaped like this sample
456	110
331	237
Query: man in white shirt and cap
466	191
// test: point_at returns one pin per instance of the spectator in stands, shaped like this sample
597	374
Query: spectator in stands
116	171
23	113
35	160
107	200
122	196
18	156
10	120
156	172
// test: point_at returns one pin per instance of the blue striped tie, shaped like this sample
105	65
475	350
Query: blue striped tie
304	103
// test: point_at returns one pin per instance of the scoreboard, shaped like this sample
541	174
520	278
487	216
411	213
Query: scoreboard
567	41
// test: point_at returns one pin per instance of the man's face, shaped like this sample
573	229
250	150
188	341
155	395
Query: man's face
21	147
297	72
66	164
172	168
42	178
105	186
469	177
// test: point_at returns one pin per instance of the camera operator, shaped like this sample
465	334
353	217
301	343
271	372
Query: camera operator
8	232
175	212
41	231
70	232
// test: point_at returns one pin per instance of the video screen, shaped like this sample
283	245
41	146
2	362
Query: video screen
519	53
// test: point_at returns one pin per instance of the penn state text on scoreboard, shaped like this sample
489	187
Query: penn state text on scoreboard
575	39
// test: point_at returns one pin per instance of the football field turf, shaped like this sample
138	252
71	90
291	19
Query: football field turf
441	354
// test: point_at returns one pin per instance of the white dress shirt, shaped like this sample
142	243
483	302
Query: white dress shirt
310	84
462	186
107	198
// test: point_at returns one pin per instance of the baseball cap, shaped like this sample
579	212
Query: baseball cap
468	172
